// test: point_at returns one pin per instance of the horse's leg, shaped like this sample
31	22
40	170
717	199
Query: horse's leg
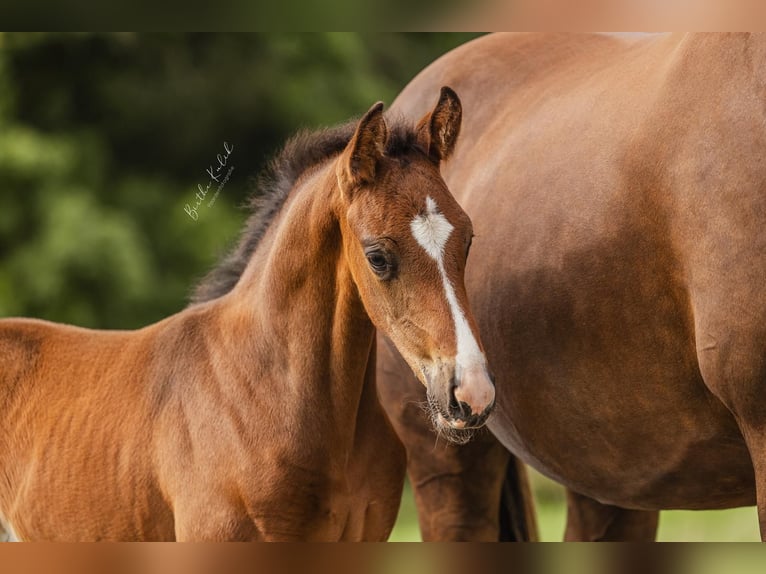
458	489
732	360
741	394
475	492
756	440
591	521
748	409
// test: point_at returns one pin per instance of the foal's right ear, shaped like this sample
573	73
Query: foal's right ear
359	160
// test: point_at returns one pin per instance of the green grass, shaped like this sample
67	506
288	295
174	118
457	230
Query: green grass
738	524
406	528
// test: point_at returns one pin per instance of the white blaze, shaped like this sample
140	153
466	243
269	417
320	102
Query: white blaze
432	230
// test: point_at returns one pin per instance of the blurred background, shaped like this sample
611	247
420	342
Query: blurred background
104	139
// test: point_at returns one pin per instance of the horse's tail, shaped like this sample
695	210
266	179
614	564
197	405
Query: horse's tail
517	507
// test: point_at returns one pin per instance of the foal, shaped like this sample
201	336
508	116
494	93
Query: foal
253	415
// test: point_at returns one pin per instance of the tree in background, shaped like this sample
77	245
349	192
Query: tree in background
104	139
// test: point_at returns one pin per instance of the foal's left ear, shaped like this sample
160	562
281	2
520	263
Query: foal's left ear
359	160
438	130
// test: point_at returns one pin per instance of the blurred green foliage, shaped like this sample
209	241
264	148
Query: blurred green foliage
236	15
104	138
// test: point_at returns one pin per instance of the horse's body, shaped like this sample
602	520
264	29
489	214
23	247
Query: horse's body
252	414
618	191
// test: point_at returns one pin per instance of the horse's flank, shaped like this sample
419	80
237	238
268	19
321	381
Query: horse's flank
617	189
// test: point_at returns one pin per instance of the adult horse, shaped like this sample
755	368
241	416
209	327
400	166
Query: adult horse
252	414
618	190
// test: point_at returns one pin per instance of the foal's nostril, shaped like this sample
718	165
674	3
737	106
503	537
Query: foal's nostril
453	404
457	408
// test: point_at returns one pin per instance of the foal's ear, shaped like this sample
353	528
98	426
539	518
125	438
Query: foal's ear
438	130
360	158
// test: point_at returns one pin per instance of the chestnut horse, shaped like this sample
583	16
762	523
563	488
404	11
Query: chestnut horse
618	189
252	414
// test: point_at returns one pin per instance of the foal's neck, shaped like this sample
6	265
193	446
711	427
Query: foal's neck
299	319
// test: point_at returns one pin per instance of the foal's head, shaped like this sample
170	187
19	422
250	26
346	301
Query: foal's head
406	241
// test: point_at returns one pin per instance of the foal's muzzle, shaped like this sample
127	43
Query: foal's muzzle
470	407
464	399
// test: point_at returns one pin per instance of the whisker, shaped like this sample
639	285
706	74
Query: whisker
449	434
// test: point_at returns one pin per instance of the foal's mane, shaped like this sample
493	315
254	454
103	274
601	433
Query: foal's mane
303	151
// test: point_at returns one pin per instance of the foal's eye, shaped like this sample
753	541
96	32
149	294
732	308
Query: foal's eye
382	258
378	262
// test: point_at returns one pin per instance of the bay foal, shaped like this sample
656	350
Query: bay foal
253	415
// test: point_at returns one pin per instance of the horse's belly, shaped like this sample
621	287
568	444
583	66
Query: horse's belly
671	460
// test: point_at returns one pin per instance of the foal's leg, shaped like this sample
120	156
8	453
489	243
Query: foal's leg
591	521
212	521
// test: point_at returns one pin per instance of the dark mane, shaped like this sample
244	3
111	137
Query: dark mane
301	152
